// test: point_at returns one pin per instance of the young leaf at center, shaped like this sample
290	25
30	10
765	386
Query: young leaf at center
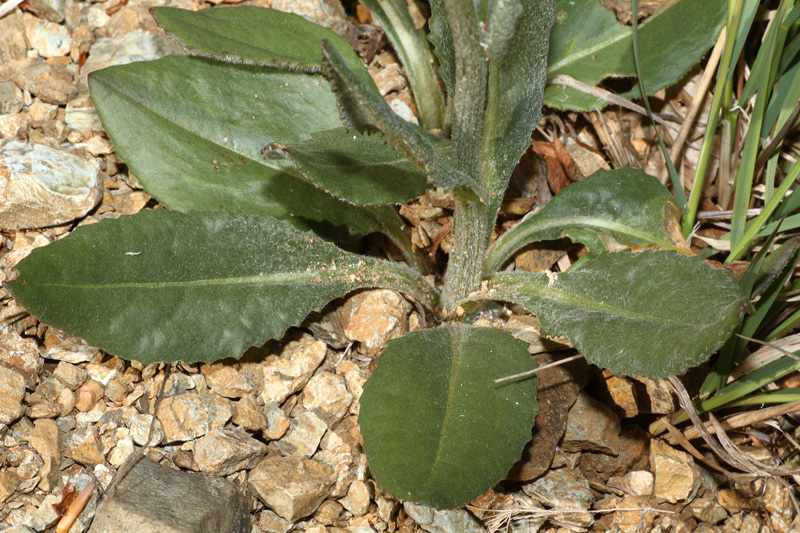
437	429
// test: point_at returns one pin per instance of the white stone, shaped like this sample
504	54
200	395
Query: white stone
47	38
41	186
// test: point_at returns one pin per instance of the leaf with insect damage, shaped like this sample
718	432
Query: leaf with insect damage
168	286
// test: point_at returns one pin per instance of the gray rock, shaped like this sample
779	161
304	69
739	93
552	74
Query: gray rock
10	98
52	83
291	486
153	498
53	10
43	186
225	451
12	390
327	13
22	355
591	426
434	521
563	488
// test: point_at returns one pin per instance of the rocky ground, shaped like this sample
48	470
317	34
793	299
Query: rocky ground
274	435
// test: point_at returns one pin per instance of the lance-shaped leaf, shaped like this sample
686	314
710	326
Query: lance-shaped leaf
516	83
363	169
192	131
606	211
167	286
654	314
588	44
412	48
365	110
441	37
255	35
437	429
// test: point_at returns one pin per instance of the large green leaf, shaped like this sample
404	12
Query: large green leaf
589	44
654	313
609	209
437	429
192	130
167	286
364	169
256	35
516	84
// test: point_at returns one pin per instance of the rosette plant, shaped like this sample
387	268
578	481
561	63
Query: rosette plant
270	144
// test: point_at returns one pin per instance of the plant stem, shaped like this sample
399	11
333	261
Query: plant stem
472	233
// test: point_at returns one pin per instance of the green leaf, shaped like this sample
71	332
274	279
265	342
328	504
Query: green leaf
363	169
654	314
255	35
607	210
589	44
436	427
516	83
441	37
167	286
365	110
412	48
192	131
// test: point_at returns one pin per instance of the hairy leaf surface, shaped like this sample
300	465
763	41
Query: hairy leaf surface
441	37
255	35
192	130
167	286
589	44
607	210
364	169
436	427
365	110
653	314
515	89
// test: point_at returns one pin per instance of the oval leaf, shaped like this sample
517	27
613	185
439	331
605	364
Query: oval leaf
607	210
167	286
436	427
363	169
255	35
192	131
589	44
654	314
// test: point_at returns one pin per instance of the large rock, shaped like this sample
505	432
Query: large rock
52	83
153	498
225	451
41	186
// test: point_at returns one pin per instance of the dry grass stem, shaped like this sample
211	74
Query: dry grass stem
540	368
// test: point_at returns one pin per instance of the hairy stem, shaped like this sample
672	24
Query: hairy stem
472	232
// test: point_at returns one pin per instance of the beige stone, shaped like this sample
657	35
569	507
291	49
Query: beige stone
224	451
87	395
674	472
46	440
375	317
12	390
327	393
191	415
293	487
288	372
